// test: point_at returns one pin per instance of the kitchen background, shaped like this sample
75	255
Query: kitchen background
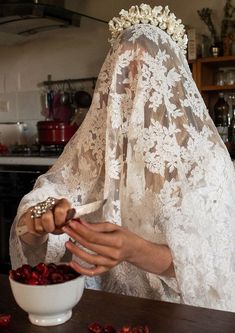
73	52
66	53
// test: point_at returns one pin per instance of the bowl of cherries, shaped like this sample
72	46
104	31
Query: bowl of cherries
48	292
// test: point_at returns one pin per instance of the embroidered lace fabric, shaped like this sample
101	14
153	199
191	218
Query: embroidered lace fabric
150	147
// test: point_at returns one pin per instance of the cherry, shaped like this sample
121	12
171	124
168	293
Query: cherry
137	329
52	267
42	269
146	329
5	319
33	282
15	275
125	329
25	271
109	329
56	277
95	328
43	274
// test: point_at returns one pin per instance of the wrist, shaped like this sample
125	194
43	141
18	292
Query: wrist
31	239
151	257
34	240
137	252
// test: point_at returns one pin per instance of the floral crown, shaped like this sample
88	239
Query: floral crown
157	16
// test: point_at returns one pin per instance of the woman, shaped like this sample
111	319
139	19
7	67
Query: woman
148	146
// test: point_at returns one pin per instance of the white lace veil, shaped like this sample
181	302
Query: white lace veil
149	146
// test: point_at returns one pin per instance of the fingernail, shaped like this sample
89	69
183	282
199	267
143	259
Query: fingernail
74	223
67	245
77	220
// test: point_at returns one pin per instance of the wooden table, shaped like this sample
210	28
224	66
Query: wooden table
119	310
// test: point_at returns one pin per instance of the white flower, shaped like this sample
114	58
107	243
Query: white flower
156	10
145	9
163	25
145	13
171	28
158	16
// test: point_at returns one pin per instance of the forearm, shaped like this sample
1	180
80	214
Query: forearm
34	254
34	240
113	245
153	258
30	238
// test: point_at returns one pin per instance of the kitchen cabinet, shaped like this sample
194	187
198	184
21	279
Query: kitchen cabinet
205	72
16	180
193	67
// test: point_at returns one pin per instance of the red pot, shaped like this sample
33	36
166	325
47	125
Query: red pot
55	132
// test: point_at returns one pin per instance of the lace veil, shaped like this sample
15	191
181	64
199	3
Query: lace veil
149	146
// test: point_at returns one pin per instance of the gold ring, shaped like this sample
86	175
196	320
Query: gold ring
42	207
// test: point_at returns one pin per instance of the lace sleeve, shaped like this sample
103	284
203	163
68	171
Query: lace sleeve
71	178
51	251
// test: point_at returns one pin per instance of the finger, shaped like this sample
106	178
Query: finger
38	225
90	258
60	211
100	226
88	271
91	235
47	221
103	250
26	219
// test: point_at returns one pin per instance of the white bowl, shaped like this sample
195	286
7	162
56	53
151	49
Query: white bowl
48	305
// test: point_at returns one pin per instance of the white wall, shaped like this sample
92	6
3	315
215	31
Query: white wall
65	54
72	52
184	9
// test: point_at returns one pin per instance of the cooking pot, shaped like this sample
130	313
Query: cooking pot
82	99
55	132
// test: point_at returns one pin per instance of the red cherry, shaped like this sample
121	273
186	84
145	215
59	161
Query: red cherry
52	266
43	274
5	319
26	271
95	328
33	282
15	275
56	277
146	329
42	269
108	329
125	329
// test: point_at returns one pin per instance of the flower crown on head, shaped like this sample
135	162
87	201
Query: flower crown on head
157	16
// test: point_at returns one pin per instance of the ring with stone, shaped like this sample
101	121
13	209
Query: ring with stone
42	207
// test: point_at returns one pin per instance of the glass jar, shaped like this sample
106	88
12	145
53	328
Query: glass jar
221	112
231	77
220	78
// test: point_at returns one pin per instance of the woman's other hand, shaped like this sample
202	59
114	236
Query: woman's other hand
49	222
112	245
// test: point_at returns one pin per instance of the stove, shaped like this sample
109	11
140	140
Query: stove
15	182
34	150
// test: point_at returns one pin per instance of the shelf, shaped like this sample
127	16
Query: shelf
50	82
217	88
224	59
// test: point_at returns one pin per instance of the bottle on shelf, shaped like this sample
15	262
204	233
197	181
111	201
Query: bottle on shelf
221	112
231	128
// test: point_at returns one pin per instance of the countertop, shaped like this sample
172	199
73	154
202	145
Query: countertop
120	310
27	160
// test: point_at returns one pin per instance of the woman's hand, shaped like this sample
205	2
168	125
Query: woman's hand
111	245
49	222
